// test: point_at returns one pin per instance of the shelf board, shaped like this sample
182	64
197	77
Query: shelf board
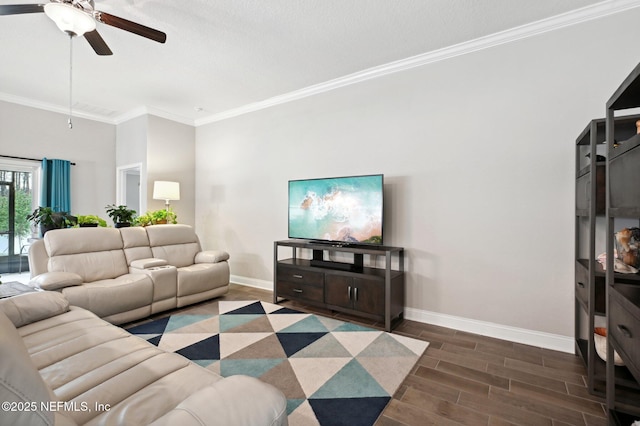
628	93
582	212
338	246
625	146
366	271
598	269
629	212
585	136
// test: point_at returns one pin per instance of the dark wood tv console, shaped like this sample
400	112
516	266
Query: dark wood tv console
310	276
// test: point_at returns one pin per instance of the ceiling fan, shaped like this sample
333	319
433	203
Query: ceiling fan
79	17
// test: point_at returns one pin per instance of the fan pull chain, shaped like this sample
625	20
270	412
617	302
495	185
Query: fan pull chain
70	79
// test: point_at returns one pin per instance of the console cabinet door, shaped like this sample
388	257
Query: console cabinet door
338	290
360	294
368	296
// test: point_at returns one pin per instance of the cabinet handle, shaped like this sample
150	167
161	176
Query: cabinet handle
349	292
581	285
355	294
297	290
297	276
625	331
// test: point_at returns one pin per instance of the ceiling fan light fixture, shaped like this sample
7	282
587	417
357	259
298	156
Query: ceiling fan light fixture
69	19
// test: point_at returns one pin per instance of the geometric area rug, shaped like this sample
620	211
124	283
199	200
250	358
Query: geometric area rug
331	372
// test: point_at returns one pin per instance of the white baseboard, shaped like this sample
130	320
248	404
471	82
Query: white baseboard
514	334
525	336
252	282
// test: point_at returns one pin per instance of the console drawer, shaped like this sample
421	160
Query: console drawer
582	284
625	324
301	291
296	275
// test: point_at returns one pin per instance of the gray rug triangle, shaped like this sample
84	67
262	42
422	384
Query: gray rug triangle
331	372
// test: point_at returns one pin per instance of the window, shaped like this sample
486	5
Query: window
18	195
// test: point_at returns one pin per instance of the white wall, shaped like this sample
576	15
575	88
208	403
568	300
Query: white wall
35	133
131	151
171	156
478	157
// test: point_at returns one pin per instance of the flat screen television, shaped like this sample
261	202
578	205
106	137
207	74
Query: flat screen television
338	209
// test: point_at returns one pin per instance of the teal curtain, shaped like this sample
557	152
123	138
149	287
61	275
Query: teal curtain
56	185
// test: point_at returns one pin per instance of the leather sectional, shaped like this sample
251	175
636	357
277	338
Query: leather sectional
64	366
125	274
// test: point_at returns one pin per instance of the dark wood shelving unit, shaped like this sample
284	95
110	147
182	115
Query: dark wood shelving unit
622	290
354	287
590	276
589	283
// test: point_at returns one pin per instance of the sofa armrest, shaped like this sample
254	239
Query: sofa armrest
56	280
150	262
31	307
237	400
211	256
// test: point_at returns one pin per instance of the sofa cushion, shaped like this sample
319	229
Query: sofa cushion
218	402
56	280
59	242
93	253
20	382
86	360
177	244
31	307
202	277
135	243
112	296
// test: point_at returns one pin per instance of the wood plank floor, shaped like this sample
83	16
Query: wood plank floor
469	379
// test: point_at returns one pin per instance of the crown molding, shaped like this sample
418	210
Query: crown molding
32	103
578	16
144	110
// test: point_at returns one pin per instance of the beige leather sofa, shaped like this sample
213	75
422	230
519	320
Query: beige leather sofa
65	366
129	273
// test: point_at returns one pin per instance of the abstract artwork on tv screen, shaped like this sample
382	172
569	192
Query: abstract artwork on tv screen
346	209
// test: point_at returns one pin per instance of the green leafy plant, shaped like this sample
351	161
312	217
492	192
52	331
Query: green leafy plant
164	216
48	219
157	217
91	220
120	214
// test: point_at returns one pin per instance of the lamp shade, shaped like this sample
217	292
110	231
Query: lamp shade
70	19
164	190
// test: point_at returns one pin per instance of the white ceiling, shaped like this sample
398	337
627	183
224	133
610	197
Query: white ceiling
223	55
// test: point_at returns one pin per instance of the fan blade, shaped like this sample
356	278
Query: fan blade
132	27
98	43
18	9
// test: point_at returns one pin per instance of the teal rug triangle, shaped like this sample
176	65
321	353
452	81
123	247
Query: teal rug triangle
324	383
353	381
248	367
292	404
179	321
347	326
229	322
307	325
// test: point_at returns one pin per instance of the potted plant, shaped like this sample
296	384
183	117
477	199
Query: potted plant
163	216
157	217
144	220
48	219
91	221
122	216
